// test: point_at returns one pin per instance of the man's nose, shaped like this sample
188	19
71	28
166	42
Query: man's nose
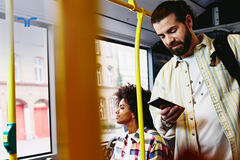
169	40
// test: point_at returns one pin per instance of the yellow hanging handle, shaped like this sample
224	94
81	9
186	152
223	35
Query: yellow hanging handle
140	16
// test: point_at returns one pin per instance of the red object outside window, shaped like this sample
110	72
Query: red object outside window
21	130
41	121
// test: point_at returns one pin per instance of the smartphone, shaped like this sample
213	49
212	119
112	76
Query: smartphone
161	103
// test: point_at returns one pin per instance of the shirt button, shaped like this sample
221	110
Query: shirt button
191	118
186	71
193	134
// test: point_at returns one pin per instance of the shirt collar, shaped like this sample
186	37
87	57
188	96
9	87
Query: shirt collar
204	41
136	137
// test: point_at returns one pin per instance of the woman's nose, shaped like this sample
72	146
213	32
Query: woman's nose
117	111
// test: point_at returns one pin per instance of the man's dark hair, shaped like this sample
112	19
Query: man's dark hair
179	8
128	93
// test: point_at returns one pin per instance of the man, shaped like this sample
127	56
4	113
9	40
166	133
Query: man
206	117
128	146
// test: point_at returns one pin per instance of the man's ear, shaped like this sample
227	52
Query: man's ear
189	21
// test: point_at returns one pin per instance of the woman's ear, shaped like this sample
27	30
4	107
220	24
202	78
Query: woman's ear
133	116
189	21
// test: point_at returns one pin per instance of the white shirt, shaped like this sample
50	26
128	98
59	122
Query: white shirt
211	137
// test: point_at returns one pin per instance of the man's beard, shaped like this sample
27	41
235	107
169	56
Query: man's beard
180	51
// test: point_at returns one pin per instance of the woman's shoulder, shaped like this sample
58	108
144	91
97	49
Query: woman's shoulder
154	134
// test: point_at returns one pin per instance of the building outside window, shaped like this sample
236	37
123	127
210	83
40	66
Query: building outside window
110	75
101	107
112	107
117	63
99	74
97	47
17	68
107	49
38	69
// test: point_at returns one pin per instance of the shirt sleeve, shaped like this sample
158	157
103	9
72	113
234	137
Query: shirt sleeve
160	151
234	42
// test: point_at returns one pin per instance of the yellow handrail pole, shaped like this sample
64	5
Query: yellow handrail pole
140	16
130	6
11	73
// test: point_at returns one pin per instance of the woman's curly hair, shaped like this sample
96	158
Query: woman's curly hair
128	93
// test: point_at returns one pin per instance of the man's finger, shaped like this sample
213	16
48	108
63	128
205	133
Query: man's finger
172	111
175	116
164	111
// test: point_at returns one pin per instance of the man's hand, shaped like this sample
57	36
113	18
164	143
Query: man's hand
171	114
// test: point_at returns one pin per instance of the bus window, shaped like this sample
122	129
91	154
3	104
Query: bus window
32	89
117	68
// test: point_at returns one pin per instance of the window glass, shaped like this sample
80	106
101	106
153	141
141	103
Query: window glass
116	70
17	68
106	48
102	108
38	69
99	74
110	75
32	98
112	107
97	47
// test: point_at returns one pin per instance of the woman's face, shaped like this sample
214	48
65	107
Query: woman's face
123	113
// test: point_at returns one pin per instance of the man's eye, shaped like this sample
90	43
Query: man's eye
173	31
162	37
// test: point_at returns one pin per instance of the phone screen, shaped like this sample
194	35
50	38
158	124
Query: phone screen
161	103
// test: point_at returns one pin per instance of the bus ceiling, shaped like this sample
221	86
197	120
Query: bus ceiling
119	23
